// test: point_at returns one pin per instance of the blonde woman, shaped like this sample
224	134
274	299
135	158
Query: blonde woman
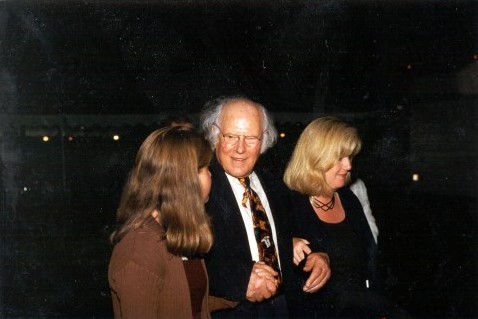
332	220
156	269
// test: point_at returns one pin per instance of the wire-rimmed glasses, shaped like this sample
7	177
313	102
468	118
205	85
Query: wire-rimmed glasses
233	139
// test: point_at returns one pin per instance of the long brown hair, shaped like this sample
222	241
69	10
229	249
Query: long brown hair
165	178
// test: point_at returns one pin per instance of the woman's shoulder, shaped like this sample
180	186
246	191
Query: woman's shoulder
298	198
149	233
347	195
142	246
352	206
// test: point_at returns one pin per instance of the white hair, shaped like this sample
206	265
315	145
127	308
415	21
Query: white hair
212	112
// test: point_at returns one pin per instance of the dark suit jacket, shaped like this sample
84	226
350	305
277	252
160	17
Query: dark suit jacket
229	263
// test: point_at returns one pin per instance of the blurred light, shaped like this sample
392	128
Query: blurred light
116	137
282	135
45	138
415	177
475	56
409	66
71	138
25	189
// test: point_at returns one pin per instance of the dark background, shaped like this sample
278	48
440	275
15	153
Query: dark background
404	72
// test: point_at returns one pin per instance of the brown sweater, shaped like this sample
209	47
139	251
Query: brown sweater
146	281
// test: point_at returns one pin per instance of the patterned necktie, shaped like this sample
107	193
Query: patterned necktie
262	228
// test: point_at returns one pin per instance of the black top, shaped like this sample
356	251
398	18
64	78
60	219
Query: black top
347	255
352	252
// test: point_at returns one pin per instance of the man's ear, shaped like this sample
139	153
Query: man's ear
213	128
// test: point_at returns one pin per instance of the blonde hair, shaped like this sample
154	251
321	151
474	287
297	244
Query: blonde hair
165	178
322	143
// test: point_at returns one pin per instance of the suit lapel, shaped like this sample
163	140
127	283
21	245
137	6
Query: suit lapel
226	204
222	189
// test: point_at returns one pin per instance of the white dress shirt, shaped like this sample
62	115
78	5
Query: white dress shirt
359	189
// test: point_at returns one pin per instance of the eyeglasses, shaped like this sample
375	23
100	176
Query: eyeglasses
233	139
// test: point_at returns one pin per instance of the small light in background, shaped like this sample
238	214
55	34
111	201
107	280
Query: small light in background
475	57
282	135
116	137
415	177
71	138
45	138
409	66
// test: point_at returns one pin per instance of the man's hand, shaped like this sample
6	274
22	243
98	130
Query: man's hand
263	283
301	249
318	265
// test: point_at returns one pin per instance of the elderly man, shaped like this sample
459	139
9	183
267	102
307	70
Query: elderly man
250	266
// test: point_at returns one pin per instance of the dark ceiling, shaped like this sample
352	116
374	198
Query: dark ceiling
148	57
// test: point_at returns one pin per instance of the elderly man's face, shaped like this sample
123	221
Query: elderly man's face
240	118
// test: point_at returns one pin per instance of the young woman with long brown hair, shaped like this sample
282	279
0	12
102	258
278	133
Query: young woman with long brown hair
156	269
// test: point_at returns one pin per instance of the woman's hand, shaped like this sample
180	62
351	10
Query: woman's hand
301	249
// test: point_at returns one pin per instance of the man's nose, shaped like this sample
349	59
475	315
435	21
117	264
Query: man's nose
241	145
